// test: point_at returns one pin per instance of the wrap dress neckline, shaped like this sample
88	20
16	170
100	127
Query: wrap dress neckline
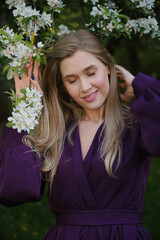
91	145
81	168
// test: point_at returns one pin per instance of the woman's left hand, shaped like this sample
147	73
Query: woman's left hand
123	74
27	80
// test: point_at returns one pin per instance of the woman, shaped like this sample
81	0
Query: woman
93	152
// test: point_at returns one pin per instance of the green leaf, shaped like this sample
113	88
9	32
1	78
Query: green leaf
5	68
43	59
19	100
18	37
116	23
9	72
23	70
9	124
46	8
38	59
12	96
16	111
123	16
31	105
5	34
106	10
129	36
1	31
16	68
25	20
28	44
23	90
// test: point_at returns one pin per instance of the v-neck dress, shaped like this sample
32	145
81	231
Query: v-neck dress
88	203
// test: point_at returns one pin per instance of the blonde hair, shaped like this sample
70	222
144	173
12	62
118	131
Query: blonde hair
61	112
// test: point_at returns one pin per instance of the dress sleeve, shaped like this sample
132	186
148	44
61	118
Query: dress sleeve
20	170
146	109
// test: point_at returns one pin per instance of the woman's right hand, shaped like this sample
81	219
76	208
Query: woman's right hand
26	80
123	74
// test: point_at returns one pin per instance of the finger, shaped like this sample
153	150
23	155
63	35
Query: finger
122	85
35	84
35	70
16	77
119	68
120	77
29	66
124	98
23	76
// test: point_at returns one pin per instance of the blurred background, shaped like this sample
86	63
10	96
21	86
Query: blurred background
140	54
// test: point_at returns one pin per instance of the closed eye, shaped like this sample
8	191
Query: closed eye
91	74
72	81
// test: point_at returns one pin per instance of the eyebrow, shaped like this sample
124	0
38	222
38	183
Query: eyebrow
84	70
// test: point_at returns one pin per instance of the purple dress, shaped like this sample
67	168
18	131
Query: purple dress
89	204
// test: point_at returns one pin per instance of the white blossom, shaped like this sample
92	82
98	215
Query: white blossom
35	12
55	3
26	113
20	9
12	3
94	1
16	62
62	30
148	4
95	11
26	12
40	45
10	32
44	19
109	4
110	26
143	25
6	52
106	17
132	25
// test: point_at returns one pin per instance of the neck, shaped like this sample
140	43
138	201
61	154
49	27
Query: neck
96	116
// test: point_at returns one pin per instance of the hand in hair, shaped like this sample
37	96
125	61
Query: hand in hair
123	74
26	80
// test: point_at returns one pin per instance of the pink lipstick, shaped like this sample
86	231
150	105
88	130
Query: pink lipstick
91	97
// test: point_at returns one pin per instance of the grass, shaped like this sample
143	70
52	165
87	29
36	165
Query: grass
26	222
151	210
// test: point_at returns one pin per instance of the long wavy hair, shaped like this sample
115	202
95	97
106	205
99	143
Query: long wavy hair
60	109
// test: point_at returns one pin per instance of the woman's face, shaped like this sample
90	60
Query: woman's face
86	79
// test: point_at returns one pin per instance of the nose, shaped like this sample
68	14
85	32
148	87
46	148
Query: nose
85	85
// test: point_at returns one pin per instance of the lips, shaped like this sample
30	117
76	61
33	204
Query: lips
90	97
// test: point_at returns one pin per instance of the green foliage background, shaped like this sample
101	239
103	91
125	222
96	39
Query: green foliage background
32	220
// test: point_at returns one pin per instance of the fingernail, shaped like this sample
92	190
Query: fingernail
32	76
